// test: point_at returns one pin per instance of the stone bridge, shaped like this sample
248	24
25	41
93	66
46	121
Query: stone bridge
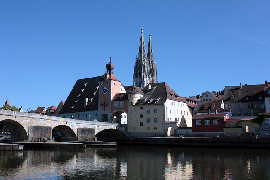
31	126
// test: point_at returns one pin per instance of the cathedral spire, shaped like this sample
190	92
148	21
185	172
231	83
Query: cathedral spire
145	68
150	55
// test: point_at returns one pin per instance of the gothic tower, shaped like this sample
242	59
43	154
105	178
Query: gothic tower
145	70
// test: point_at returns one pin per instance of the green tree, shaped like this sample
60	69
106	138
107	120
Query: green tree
8	107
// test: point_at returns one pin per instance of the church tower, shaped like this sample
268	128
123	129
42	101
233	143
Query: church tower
145	70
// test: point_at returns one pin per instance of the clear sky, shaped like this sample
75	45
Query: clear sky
46	46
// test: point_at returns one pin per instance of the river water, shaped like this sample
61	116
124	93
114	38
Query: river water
137	162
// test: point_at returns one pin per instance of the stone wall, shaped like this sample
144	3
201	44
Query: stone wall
40	133
86	134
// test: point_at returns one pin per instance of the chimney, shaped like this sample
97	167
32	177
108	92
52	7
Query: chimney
240	85
216	111
209	111
265	83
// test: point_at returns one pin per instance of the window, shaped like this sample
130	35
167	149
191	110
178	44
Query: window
131	103
206	95
187	113
141	123
122	104
148	120
155	111
248	106
148	111
141	115
115	104
141	107
155	127
268	91
238	106
206	122
232	98
260	98
255	106
170	111
130	111
181	112
209	99
134	128
155	119
148	128
246	98
262	106
215	121
229	106
198	122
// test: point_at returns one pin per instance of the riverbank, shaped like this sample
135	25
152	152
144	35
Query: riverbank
10	147
198	141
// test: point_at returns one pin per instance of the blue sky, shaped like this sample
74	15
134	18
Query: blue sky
46	46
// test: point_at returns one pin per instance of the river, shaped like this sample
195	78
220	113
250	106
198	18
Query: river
136	162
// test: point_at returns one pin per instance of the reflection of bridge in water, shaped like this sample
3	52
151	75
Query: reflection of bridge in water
23	126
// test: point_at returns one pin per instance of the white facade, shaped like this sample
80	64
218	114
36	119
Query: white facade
178	111
267	104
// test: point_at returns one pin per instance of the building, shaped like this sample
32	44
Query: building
205	98
156	110
97	99
246	100
145	69
209	122
267	96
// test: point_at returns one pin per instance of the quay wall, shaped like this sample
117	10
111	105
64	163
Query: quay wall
198	142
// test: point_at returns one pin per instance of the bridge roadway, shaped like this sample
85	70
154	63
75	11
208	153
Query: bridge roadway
28	120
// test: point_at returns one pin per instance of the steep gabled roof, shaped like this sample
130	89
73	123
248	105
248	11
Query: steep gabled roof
87	88
158	93
245	93
212	106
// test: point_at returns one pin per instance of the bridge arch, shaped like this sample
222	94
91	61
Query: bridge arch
15	129
119	116
67	134
110	135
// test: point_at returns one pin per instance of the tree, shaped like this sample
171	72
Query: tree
8	107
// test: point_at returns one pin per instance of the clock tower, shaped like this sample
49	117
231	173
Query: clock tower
108	87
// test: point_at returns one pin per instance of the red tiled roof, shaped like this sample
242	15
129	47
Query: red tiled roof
52	108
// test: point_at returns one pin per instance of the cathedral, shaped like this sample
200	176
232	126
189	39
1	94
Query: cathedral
145	69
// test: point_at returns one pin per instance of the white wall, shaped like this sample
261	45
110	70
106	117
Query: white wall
176	111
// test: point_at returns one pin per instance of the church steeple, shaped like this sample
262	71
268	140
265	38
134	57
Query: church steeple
145	68
153	67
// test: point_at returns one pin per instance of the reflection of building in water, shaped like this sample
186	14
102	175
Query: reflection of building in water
179	169
146	163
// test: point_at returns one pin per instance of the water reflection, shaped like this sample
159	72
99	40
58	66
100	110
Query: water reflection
141	162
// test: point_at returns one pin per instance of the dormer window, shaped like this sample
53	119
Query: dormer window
232	98
260	98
